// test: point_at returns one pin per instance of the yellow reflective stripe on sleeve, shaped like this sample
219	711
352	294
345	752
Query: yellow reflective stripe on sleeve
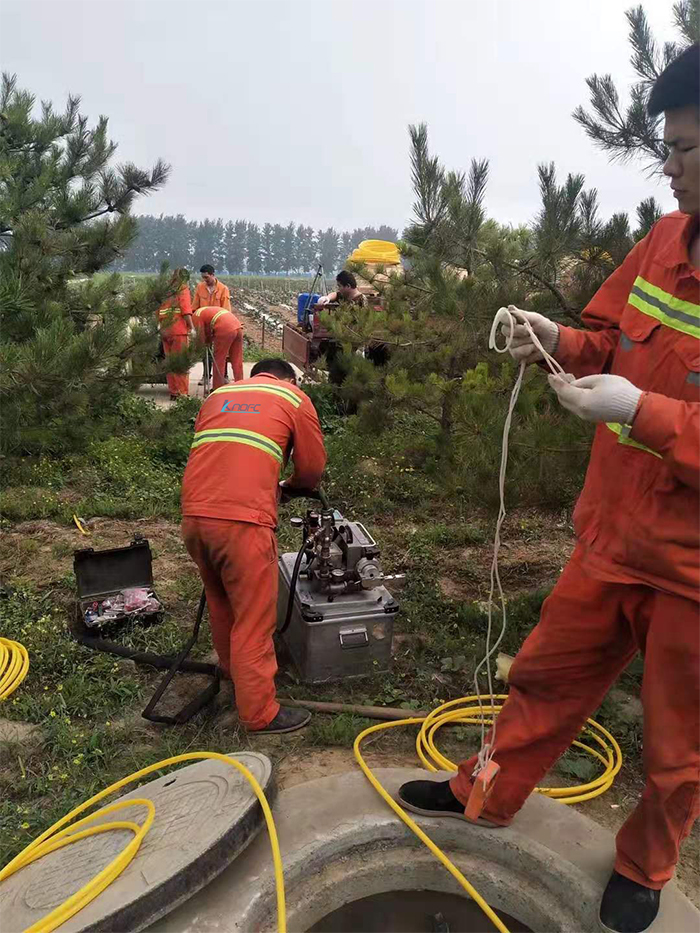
218	315
239	436
270	390
623	432
664	307
169	311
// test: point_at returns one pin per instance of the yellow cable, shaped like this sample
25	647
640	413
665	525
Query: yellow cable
414	827
14	664
61	834
466	711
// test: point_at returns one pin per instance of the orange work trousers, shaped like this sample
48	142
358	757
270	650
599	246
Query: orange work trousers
178	383
238	565
228	344
588	633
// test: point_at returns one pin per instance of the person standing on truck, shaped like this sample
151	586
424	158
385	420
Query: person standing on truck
346	290
633	581
175	320
222	330
243	437
211	293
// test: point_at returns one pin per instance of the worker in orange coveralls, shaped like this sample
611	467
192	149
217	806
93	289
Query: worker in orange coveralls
243	435
211	293
175	320
224	331
633	582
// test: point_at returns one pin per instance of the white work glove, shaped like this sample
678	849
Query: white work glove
522	349
598	398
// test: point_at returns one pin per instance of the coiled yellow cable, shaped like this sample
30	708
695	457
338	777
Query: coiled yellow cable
14	664
61	834
467	711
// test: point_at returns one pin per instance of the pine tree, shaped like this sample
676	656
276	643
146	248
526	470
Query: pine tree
277	248
306	249
65	338
436	317
237	252
254	243
630	132
267	247
328	248
290	259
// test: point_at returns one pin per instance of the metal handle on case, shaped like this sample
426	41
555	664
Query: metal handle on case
353	637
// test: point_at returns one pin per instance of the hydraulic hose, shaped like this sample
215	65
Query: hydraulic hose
14	664
292	591
467	711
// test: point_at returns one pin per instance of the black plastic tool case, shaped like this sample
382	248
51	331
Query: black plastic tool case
101	574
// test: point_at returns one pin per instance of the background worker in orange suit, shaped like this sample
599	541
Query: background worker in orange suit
175	320
211	293
243	435
224	332
633	582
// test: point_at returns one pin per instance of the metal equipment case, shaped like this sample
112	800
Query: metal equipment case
349	636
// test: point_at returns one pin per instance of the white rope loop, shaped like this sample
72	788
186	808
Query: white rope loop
509	316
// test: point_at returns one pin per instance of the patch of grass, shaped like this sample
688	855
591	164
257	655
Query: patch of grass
335	730
23	503
253	352
452	536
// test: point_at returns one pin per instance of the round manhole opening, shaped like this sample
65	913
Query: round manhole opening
413	912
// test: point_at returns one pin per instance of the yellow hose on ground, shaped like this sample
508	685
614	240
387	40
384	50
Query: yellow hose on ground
14	664
61	834
467	711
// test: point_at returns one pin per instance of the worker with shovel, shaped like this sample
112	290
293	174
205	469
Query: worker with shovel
243	437
633	582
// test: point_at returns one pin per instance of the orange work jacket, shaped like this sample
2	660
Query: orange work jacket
638	517
215	320
173	312
220	297
243	436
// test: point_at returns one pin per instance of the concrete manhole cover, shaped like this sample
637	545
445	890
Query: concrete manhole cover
206	814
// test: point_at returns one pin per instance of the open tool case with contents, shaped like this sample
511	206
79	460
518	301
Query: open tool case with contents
114	589
115	586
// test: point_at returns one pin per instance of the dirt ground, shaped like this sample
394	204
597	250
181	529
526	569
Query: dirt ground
41	553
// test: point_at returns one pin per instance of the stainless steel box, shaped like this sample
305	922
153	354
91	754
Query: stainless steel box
349	636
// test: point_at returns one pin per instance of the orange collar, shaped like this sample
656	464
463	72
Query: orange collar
674	252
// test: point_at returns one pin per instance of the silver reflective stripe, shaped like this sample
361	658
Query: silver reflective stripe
625	342
665	308
693	379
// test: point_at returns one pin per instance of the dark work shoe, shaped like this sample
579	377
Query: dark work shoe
434	798
430	798
628	907
287	720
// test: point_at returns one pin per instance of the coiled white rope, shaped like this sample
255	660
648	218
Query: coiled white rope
508	316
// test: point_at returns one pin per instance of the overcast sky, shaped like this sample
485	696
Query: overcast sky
297	110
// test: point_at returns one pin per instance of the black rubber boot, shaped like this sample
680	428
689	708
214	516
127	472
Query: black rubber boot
628	907
287	720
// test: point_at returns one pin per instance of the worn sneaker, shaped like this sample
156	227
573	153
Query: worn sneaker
435	798
287	720
627	906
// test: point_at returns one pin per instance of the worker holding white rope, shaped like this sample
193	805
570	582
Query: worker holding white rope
633	581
